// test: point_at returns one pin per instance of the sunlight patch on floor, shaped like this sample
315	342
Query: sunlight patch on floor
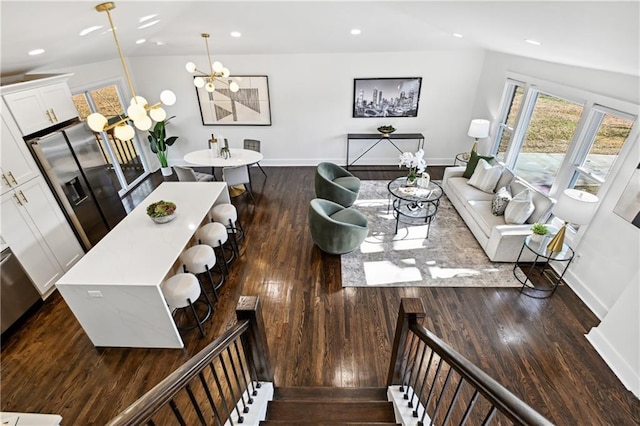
385	272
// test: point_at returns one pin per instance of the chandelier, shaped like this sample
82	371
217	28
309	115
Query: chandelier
218	71
139	110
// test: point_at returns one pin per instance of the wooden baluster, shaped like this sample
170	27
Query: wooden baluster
255	339
411	311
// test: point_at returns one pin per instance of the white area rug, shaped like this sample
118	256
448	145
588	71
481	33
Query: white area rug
450	257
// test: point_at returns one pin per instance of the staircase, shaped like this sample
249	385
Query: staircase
329	406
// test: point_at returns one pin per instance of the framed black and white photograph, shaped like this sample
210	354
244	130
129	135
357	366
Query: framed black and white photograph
628	206
386	97
249	106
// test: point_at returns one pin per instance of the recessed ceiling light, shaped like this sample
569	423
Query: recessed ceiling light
535	43
458	35
142	40
35	52
90	30
146	18
148	24
355	31
236	34
160	43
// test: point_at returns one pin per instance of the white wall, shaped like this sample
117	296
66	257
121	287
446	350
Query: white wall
311	103
606	273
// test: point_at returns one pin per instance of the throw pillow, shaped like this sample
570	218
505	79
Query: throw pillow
485	177
473	162
519	208
500	201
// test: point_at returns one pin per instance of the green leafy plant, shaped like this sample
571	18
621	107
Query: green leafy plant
158	141
540	229
161	208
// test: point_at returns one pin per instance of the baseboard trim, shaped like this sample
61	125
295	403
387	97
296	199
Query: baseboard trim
616	363
307	162
594	304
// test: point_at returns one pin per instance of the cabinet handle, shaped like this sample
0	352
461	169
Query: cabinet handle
23	197
13	178
49	117
53	114
17	199
6	181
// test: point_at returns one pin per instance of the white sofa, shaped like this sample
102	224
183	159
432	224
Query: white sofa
501	242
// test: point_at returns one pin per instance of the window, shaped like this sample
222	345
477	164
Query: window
557	137
124	156
607	130
552	124
514	96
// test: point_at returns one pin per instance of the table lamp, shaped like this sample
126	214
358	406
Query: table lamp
478	128
573	206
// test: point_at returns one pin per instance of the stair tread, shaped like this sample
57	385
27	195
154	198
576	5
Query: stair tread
330	393
335	411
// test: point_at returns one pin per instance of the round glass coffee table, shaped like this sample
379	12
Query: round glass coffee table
413	204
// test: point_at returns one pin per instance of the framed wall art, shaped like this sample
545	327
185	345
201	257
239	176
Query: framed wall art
628	206
249	106
386	97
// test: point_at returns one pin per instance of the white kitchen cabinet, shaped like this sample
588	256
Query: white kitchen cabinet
41	107
16	163
36	230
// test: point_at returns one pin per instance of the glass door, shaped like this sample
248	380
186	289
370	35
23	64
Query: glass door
128	166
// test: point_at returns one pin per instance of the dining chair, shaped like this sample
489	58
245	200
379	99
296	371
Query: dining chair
187	174
238	175
254	145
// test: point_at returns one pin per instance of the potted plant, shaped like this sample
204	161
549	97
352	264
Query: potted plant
159	144
161	211
539	231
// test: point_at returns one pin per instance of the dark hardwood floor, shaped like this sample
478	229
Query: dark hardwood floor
321	334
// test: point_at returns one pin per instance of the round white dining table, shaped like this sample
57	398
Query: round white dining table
239	157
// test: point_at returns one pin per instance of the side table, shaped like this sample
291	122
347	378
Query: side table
547	278
462	159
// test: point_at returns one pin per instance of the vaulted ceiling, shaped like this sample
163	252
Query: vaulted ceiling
600	35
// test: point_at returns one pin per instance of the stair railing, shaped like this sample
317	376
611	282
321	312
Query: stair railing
216	386
441	386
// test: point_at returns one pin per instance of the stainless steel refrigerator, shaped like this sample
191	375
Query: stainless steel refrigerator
82	180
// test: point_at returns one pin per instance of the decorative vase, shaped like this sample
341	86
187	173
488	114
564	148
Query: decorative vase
166	171
537	238
424	180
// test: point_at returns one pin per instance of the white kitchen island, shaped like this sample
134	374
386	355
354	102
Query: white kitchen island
114	290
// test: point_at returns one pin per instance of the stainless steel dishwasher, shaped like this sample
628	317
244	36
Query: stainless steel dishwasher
17	292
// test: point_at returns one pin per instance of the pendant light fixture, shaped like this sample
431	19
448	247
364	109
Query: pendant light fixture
139	110
218	71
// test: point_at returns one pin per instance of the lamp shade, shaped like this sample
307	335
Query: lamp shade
575	206
479	128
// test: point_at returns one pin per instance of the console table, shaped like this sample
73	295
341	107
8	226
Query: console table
378	137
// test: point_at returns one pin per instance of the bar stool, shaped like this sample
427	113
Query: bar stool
214	234
227	214
182	291
201	259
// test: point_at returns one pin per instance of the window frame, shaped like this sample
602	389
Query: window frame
578	148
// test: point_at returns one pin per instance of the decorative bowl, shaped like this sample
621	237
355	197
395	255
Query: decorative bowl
163	219
161	211
386	130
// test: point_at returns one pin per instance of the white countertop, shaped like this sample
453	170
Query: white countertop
139	251
239	157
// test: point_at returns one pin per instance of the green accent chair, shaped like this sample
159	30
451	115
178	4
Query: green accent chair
336	184
334	228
